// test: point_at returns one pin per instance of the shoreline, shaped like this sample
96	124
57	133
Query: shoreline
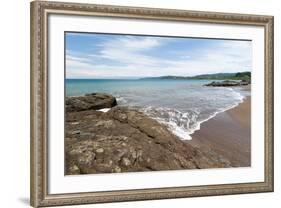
183	135
244	88
227	134
124	140
102	137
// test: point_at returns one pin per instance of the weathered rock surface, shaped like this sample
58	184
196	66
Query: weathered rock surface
125	140
93	101
227	83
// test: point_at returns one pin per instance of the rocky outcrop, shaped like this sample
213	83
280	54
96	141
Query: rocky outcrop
93	101
227	83
126	140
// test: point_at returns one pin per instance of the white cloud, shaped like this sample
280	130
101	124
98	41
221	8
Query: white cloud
128	56
131	43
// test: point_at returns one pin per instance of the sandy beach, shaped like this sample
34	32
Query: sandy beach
228	134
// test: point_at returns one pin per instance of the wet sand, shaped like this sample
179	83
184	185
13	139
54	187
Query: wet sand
227	134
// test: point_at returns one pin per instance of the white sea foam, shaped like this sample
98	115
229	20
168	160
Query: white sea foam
179	131
184	124
181	124
104	110
121	100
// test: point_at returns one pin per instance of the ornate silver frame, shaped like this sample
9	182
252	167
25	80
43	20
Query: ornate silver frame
39	103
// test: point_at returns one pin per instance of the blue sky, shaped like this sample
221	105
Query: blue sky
91	55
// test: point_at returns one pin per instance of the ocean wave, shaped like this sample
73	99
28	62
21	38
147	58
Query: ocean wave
121	100
183	124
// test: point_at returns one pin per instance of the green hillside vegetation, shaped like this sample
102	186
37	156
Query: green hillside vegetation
245	76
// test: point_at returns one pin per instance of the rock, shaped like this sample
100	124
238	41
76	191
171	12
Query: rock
126	140
117	169
74	169
76	132
100	150
244	82
75	123
227	83
93	101
105	124
86	158
126	161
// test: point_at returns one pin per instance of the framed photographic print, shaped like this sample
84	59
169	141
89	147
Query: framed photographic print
139	103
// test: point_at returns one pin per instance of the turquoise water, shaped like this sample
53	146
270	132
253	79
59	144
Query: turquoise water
75	87
182	105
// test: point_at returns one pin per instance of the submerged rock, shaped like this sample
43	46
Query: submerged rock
93	101
227	83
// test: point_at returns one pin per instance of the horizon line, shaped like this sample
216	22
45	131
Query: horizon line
132	77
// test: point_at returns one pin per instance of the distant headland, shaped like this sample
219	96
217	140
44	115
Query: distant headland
245	76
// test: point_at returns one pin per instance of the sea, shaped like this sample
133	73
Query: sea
181	105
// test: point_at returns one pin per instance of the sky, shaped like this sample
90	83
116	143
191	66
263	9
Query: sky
93	55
